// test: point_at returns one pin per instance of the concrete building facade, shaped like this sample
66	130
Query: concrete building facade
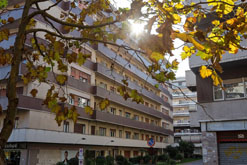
222	113
123	128
184	102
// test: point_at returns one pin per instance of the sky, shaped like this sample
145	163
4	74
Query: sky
183	65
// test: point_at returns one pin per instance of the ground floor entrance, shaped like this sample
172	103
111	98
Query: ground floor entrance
232	147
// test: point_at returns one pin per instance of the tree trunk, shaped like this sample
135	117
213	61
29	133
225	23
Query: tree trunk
9	120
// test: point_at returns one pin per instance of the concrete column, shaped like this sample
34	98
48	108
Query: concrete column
209	148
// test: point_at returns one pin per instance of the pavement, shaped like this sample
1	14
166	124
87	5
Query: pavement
197	162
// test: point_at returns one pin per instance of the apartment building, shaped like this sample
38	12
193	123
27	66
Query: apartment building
222	113
184	102
123	128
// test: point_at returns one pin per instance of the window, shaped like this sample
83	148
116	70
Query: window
152	122
234	89
82	102
218	93
165	98
80	128
127	135
112	89
65	126
147	137
127	114
136	136
16	122
147	104
146	120
113	132
102	131
83	79
161	139
165	111
136	117
120	112
120	134
71	100
113	111
103	85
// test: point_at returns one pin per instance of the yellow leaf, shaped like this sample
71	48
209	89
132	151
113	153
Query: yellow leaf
156	56
216	22
103	104
233	48
186	49
205	72
179	6
231	21
188	38
216	79
175	64
88	110
177	18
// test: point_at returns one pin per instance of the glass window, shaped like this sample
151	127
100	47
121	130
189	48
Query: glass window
128	135
245	80
66	126
113	111
218	93
71	100
136	136
113	132
127	115
120	112
234	89
136	117
120	133
82	102
102	131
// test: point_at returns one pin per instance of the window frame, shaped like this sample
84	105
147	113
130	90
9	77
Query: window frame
244	81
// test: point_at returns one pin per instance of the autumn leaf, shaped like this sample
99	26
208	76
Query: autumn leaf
34	92
11	19
205	72
233	48
88	110
156	56
61	79
175	64
216	79
104	103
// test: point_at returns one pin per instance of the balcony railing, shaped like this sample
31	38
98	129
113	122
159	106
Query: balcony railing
181	113
116	77
123	121
30	103
103	93
112	55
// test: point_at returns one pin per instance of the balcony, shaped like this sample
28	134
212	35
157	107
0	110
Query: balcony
35	104
183	104
181	113
102	70
103	93
184	123
30	103
123	121
186	133
112	55
56	137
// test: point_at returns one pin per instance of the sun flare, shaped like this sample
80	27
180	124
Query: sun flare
137	28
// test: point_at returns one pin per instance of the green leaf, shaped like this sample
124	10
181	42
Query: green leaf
88	110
